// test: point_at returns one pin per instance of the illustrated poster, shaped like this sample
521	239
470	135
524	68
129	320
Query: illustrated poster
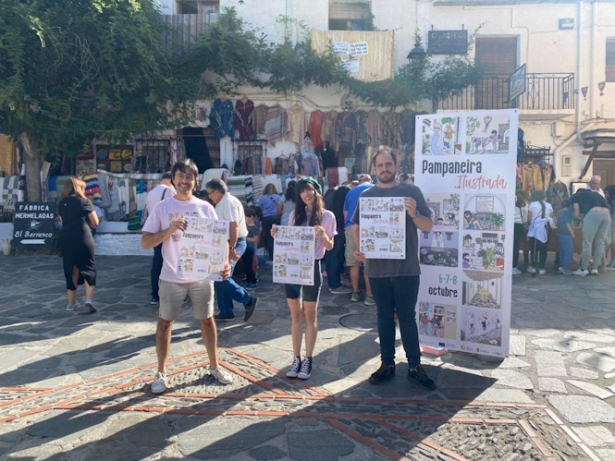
293	255
465	165
203	248
383	228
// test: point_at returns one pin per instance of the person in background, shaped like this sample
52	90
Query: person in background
303	299
609	192
539	217
395	282
334	258
354	266
166	225
99	213
162	191
596	225
229	208
290	201
271	205
254	232
76	242
594	185
565	237
407	178
520	227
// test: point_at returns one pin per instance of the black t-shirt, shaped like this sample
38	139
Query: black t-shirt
588	200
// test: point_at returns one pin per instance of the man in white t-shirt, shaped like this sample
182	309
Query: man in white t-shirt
162	191
165	225
594	185
230	209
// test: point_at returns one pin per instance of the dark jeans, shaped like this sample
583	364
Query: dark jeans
268	222
538	254
248	264
334	261
519	233
397	295
156	269
228	290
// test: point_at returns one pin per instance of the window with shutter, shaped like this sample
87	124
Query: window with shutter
349	16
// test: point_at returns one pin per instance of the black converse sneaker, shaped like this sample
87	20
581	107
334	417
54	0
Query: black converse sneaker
306	369
294	368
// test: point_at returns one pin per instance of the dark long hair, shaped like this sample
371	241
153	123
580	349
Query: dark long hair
291	193
300	208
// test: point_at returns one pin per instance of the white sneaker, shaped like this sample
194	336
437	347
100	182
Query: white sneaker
531	270
581	272
593	272
223	376
515	271
542	271
89	305
159	384
564	271
71	307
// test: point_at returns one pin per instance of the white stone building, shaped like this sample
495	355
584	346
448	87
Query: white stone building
567	47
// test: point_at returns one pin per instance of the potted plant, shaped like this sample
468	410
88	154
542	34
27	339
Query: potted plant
497	220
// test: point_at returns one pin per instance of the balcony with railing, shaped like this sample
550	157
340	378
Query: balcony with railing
545	94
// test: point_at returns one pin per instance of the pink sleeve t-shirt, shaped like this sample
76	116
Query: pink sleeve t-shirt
160	219
330	225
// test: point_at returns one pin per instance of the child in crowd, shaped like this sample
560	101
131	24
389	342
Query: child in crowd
250	263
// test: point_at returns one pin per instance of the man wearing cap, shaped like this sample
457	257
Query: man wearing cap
395	282
354	266
162	191
229	208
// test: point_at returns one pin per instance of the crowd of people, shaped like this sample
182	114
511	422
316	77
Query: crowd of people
591	208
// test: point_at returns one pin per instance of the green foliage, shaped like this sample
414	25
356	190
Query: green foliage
75	70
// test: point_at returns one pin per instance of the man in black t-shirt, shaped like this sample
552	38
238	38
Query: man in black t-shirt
596	225
395	282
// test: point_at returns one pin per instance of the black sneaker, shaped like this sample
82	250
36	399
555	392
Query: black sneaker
419	376
295	368
384	373
154	301
224	318
306	369
250	308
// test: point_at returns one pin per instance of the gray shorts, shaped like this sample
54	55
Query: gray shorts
172	296
351	260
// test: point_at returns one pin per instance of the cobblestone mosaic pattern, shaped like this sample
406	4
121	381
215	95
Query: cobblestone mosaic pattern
382	428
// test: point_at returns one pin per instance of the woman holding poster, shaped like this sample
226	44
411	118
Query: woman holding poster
310	211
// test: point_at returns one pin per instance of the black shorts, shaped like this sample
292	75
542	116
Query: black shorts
310	293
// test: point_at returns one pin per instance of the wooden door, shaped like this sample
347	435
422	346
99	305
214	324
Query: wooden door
497	56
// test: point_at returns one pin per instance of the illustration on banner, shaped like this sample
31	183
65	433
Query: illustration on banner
481	326
483	251
444	210
482	289
437	320
439	248
440	136
484	212
489	134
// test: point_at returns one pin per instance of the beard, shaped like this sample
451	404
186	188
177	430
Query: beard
386	178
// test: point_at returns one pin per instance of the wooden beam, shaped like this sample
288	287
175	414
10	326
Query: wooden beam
590	159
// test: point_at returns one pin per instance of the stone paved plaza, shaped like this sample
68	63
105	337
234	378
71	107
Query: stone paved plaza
75	386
